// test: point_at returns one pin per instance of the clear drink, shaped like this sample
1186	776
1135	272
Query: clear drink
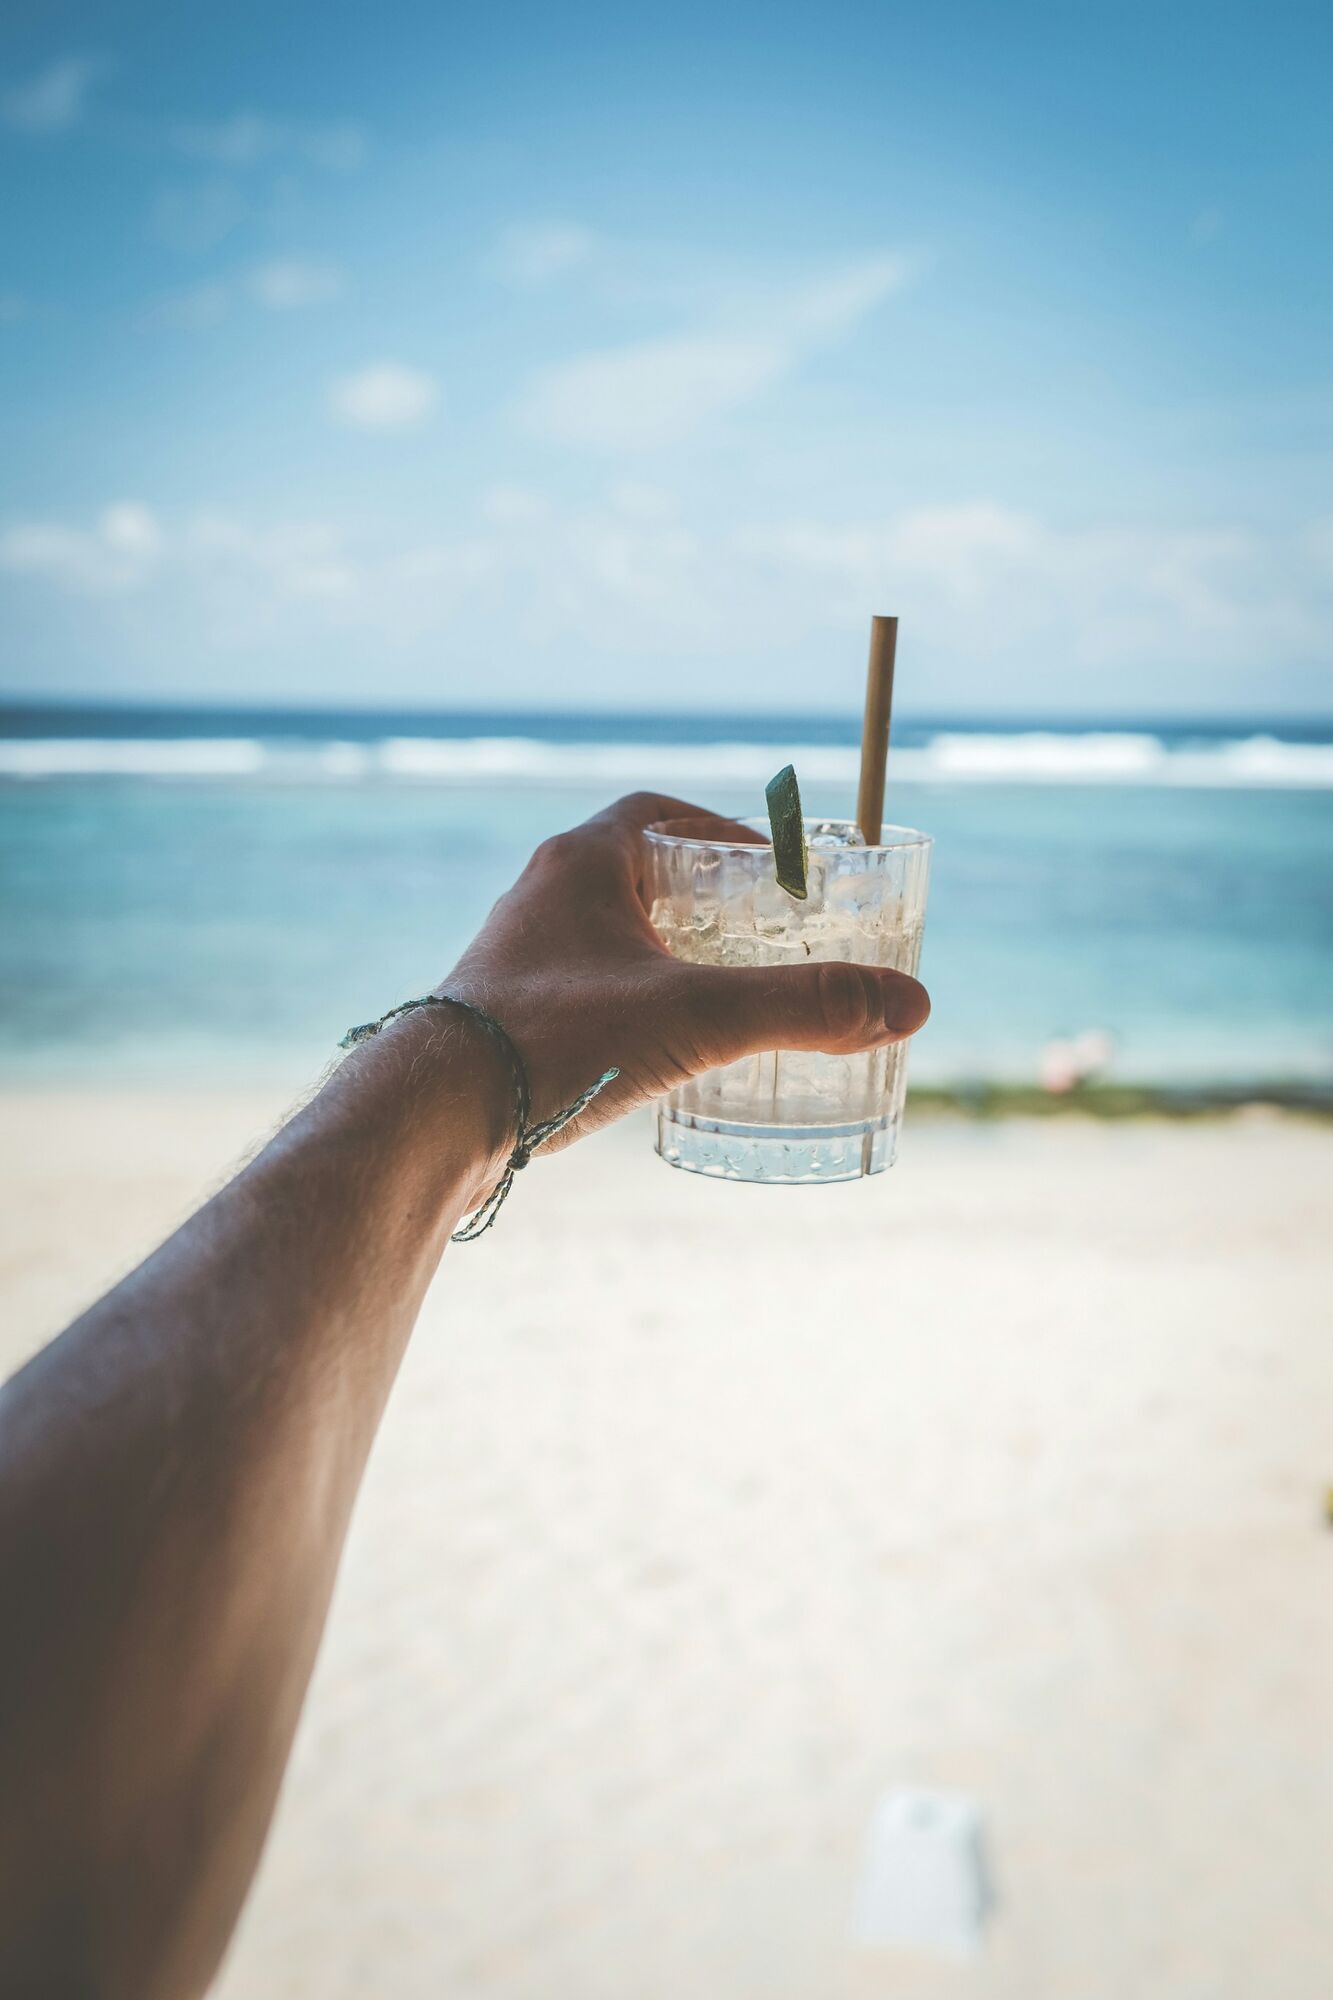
789	1116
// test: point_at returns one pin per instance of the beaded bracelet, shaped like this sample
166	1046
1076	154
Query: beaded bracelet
529	1136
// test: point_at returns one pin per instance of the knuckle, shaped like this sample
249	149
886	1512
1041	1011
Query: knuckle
636	808
848	1001
557	850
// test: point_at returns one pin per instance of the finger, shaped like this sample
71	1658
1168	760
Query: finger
607	848
617	831
837	1008
629	816
713	828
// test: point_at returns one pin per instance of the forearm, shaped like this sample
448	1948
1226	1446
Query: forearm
178	1471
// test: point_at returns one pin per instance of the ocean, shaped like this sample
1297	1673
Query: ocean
213	896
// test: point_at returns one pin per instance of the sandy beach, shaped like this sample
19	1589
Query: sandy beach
703	1514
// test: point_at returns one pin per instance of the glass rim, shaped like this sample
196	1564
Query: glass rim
912	837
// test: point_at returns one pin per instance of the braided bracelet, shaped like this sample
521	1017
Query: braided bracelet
529	1136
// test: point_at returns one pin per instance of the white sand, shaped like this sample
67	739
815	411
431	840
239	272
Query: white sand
702	1514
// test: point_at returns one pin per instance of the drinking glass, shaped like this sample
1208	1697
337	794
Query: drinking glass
789	1116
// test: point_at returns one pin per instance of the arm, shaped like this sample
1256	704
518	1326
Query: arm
177	1469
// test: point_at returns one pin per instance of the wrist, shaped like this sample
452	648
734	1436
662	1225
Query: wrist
468	1096
437	1082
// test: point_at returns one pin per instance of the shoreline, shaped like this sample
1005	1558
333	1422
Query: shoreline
982	1100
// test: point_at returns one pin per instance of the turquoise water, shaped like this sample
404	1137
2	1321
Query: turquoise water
219	926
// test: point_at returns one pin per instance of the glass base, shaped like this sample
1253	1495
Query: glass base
784	1156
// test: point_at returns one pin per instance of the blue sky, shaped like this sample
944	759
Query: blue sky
629	357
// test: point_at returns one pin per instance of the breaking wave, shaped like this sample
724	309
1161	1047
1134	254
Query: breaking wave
951	757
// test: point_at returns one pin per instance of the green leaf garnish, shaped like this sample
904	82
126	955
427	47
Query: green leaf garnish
791	859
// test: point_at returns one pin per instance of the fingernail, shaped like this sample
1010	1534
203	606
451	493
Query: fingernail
906	1004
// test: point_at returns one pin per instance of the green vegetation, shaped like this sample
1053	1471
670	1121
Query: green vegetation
1112	1101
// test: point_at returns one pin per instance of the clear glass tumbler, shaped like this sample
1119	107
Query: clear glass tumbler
789	1116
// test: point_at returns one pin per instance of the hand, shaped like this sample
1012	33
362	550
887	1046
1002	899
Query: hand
573	970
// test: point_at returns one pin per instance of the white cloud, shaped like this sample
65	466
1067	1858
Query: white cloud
386	396
1011	590
532	256
836	302
513	506
307	561
1002	609
648	395
55	99
959	551
656	393
130	529
117	554
637	501
286	284
252	138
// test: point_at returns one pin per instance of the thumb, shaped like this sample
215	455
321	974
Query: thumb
837	1008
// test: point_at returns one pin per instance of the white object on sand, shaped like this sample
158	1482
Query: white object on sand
925	1882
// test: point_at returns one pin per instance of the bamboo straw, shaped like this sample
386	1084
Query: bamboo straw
875	728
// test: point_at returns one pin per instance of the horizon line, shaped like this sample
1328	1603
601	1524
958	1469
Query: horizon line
112	705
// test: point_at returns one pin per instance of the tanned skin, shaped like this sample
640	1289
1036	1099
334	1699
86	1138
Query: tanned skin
178	1467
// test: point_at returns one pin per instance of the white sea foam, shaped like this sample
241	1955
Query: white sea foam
149	757
498	759
953	757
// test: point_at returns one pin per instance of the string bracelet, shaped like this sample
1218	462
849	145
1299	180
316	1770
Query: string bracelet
529	1136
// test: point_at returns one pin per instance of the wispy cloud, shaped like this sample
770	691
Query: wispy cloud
837	300
648	394
129	548
653	393
1007	586
117	553
993	597
253	139
281	285
530	256
513	506
287	284
54	100
386	396
302	562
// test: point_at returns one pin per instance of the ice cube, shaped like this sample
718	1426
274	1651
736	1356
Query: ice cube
857	891
832	833
772	910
